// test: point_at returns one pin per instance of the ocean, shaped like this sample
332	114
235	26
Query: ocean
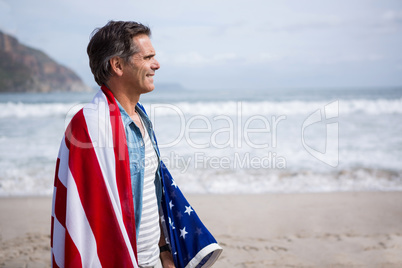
228	141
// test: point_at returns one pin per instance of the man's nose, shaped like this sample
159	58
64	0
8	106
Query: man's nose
155	65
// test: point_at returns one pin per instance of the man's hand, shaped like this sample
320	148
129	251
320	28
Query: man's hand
165	256
167	260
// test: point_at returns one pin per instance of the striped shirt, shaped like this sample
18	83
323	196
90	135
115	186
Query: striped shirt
149	233
143	167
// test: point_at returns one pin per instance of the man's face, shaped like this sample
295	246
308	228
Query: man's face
139	71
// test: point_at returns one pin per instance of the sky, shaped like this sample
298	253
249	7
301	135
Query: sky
230	44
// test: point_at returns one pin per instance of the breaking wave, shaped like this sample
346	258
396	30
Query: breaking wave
346	107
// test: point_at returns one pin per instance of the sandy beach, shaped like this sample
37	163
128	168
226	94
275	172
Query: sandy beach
270	230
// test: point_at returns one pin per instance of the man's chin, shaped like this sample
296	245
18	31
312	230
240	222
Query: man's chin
149	89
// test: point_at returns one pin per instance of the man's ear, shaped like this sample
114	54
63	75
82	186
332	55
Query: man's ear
117	65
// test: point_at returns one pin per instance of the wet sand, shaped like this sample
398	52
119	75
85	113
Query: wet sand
270	230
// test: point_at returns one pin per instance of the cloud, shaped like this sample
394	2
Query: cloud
197	59
393	15
305	23
4	8
6	20
230	37
347	59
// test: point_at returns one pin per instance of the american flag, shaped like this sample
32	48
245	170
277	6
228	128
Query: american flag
93	222
191	243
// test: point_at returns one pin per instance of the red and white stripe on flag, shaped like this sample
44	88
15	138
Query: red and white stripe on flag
93	221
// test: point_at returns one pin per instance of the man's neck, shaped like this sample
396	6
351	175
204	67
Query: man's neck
127	102
126	99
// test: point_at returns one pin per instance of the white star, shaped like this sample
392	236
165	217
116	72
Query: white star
174	184
171	224
171	204
162	218
183	233
188	210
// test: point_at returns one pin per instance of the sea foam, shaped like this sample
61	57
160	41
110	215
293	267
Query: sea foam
371	107
22	110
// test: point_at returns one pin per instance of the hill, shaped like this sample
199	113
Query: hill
25	69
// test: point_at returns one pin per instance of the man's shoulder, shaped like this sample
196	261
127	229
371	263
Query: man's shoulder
78	118
93	112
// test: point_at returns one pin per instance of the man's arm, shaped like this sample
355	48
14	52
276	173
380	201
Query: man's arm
165	256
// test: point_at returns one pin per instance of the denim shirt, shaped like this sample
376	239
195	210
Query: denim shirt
136	152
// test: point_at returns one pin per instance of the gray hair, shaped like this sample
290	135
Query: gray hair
115	39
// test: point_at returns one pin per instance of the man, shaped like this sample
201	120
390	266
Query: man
128	74
111	189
